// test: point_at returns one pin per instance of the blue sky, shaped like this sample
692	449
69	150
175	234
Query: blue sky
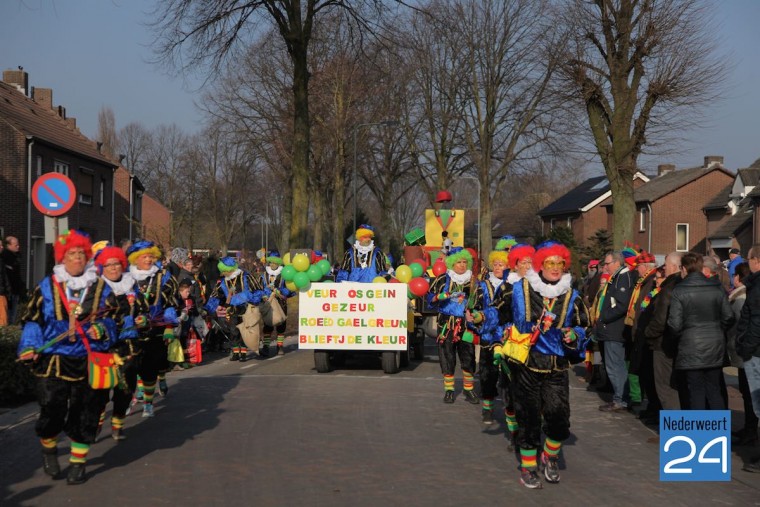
94	53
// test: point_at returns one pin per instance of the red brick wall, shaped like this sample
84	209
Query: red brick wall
156	221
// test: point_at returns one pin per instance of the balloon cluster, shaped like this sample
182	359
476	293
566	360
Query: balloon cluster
411	274
299	272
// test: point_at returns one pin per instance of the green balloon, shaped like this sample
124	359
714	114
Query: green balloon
314	273
288	272
324	266
416	269
301	280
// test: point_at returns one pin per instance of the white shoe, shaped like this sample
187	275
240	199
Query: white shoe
147	410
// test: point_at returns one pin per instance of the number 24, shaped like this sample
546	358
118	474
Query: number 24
723	460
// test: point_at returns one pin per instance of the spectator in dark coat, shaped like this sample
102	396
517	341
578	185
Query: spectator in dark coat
610	325
748	336
17	292
699	317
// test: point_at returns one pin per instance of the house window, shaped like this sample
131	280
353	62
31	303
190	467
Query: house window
61	168
642	220
85	186
682	237
39	166
102	192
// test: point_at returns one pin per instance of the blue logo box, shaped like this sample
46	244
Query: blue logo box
695	445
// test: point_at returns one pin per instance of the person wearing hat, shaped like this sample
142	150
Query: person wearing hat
363	262
505	243
131	314
520	262
497	312
545	305
734	259
159	288
274	288
229	300
640	312
67	308
456	296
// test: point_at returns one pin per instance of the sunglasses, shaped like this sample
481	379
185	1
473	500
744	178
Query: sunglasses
554	264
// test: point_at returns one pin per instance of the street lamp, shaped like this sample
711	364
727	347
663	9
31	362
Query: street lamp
386	123
478	223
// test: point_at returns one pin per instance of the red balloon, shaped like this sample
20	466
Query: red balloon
439	268
394	280
419	286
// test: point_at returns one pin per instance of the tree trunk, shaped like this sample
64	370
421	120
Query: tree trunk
339	197
484	222
623	206
300	160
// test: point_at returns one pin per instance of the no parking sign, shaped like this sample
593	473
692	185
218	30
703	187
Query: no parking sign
53	194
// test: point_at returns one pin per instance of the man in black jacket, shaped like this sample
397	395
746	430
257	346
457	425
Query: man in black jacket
699	318
748	336
610	327
656	330
13	275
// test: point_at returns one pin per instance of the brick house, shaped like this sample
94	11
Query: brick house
731	216
581	208
128	205
669	207
38	138
156	222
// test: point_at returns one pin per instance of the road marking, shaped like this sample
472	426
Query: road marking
248	366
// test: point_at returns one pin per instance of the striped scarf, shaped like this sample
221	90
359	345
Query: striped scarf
648	298
631	313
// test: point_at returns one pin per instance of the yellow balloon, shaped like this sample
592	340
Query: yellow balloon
404	273
379	279
286	258
291	286
301	262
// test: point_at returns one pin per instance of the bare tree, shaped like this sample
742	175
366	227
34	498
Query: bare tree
637	67
191	33
107	131
134	141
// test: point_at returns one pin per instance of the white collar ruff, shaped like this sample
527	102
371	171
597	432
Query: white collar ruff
274	272
513	277
495	281
80	282
142	274
364	250
126	284
549	290
460	279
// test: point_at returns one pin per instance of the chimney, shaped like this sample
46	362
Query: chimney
61	111
43	96
71	122
713	159
665	169
17	78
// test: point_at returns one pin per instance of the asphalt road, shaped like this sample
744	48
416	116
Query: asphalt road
275	432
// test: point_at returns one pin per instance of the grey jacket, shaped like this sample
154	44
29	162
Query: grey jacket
699	317
611	323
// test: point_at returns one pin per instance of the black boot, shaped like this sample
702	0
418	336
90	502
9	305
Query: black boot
243	357
264	351
235	357
471	397
76	474
448	397
50	462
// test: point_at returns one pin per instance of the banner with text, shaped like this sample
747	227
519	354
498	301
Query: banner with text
353	316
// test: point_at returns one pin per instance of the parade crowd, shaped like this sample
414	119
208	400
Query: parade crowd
109	322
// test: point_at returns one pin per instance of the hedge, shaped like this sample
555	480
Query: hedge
17	384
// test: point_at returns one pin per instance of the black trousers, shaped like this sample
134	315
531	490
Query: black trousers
750	419
646	379
538	395
153	357
704	389
71	407
121	397
489	374
448	350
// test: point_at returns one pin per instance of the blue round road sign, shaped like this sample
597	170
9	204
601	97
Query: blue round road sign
53	194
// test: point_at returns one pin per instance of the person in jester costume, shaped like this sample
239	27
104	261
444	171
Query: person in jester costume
497	312
131	317
363	262
159	289
545	305
456	296
68	313
229	300
274	288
